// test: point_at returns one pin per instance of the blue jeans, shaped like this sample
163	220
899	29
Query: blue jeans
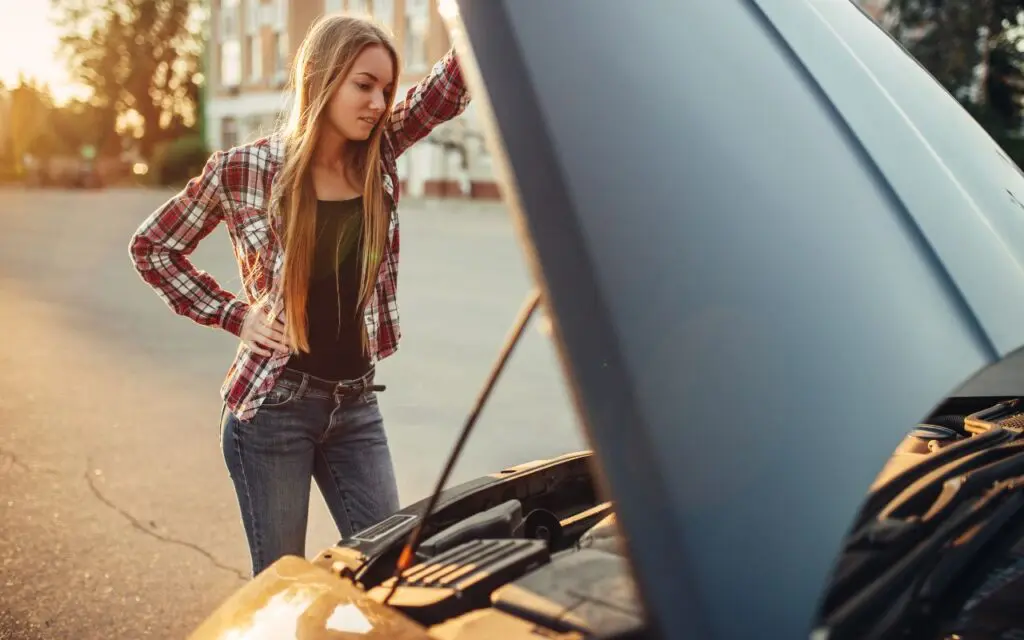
302	431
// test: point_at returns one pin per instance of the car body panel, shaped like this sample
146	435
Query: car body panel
295	599
764	262
960	189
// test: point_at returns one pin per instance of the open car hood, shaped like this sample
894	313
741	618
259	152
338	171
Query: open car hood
770	243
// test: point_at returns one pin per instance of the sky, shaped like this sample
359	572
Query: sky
28	43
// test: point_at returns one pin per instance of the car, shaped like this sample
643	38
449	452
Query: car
783	268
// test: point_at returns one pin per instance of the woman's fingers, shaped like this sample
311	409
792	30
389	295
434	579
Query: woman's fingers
277	332
263	335
270	338
256	348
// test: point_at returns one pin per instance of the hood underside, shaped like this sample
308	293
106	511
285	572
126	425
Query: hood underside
770	243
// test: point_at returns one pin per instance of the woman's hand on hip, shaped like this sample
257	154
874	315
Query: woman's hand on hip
263	334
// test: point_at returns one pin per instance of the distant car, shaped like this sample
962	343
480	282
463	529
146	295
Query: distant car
66	172
773	249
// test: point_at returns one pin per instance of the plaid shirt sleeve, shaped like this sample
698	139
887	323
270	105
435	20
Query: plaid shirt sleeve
437	98
161	246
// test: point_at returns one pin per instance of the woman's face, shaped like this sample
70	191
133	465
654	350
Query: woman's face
360	101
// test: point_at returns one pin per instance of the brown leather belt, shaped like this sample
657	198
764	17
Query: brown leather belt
340	387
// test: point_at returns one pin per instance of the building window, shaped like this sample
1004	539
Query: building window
268	15
229	19
332	6
255	45
252	16
280	56
230	63
228	133
384	13
417	21
282	15
357	7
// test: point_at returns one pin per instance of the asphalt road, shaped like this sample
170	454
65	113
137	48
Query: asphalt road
117	518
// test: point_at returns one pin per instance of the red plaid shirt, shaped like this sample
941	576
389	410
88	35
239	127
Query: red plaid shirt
237	187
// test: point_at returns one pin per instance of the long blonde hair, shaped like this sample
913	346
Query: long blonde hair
323	61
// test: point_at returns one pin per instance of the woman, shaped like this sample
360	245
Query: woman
311	213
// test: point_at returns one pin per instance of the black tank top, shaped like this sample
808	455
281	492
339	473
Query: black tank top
335	327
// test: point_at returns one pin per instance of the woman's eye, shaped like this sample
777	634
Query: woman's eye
363	86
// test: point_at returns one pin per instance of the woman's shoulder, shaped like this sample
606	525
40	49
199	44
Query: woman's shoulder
249	165
246	171
262	153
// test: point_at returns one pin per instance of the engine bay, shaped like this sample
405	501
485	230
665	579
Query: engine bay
526	553
533	551
937	549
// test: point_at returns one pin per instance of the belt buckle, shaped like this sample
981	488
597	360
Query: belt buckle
357	387
349	389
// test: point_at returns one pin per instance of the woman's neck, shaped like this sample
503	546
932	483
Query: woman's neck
330	151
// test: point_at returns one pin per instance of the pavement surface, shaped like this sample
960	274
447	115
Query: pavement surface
117	517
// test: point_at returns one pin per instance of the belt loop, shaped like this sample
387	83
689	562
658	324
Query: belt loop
303	383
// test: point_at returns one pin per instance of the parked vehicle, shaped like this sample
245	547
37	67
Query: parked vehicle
64	172
770	245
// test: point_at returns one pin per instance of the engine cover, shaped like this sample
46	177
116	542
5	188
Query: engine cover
461	579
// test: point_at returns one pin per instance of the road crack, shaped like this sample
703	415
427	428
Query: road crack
135	523
10	461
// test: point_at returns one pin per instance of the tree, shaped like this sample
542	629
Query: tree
972	47
7	163
31	104
139	57
1004	82
78	124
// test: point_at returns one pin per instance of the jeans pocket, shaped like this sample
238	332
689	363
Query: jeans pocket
282	394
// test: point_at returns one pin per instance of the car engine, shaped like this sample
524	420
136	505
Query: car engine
529	552
937	549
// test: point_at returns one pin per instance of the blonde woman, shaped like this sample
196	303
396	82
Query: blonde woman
311	213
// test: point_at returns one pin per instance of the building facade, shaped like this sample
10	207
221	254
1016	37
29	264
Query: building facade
250	49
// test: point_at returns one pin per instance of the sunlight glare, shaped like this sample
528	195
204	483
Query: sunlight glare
448	9
31	49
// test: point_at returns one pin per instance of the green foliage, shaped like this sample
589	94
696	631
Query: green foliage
8	166
139	57
974	48
176	161
31	105
43	129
